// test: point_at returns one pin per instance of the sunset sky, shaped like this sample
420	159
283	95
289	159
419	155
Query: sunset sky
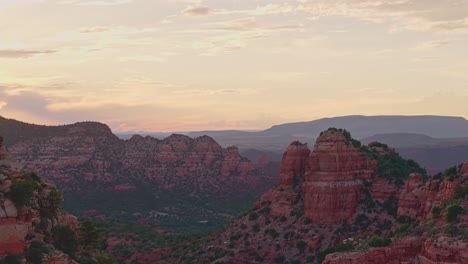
179	65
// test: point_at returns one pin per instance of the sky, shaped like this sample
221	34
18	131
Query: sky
184	65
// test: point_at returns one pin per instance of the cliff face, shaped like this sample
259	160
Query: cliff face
334	180
90	153
29	209
344	197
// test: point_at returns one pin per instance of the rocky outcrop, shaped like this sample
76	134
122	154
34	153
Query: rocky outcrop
333	182
2	151
404	251
40	204
293	163
464	170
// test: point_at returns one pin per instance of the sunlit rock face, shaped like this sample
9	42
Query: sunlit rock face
333	179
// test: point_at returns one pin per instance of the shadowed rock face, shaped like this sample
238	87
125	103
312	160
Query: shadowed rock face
2	150
464	169
294	163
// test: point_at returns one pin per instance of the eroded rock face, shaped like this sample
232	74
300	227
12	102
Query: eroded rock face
293	163
89	153
403	252
16	222
333	182
464	169
2	154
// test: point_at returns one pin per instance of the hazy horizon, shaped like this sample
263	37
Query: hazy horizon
190	65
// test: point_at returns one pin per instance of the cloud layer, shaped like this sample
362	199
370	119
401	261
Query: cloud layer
215	64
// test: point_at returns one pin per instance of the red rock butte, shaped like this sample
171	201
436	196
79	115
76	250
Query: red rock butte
333	173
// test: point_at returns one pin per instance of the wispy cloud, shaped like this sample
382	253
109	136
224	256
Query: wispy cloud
421	15
94	29
430	45
13	54
198	11
96	2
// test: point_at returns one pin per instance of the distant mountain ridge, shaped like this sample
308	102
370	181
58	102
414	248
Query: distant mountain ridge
365	126
279	136
399	140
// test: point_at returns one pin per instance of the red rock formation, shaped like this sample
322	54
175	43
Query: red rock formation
80	154
332	186
2	154
402	252
294	163
16	222
464	170
445	250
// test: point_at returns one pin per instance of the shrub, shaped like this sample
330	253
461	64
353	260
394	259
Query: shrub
272	232
253	216
436	211
301	245
279	259
453	211
283	219
36	251
256	228
451	229
376	241
55	200
21	193
12	260
89	235
103	258
461	192
65	239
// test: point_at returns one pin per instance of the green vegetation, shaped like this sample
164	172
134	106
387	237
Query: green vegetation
376	241
391	165
65	239
391	206
89	235
436	210
253	216
21	192
12	260
461	192
301	246
339	248
451	229
272	232
453	211
55	201
280	259
36	251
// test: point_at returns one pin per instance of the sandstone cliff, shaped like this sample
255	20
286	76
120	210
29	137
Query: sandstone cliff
29	210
